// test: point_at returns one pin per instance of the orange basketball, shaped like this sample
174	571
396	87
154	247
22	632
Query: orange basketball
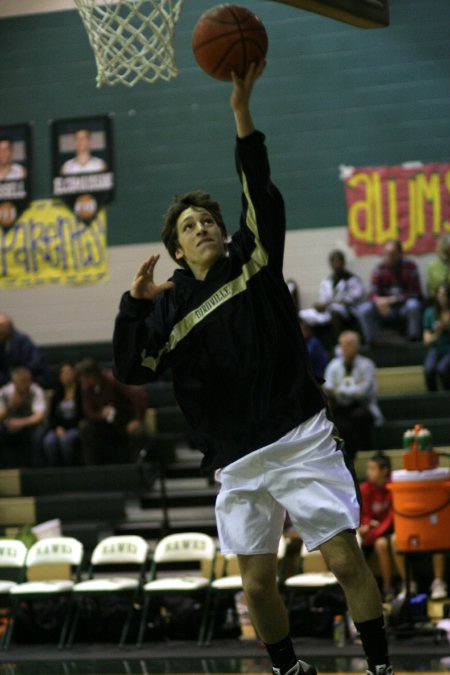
228	38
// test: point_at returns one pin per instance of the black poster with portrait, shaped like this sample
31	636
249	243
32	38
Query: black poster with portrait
83	164
15	163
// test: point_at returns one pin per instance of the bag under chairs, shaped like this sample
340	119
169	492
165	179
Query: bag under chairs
50	552
129	551
186	547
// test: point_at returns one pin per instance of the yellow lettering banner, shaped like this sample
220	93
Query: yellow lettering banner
48	245
409	203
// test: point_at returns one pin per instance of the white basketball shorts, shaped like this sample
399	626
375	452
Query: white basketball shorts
303	473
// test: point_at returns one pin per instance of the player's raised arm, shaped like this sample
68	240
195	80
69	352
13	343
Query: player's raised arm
144	286
132	334
240	98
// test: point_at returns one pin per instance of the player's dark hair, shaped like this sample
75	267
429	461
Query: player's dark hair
180	203
383	461
6	139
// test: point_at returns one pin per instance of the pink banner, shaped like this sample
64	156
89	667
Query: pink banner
397	202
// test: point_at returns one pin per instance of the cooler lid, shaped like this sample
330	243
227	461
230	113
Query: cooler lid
440	473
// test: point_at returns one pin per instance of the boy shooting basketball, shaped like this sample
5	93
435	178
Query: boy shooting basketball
226	326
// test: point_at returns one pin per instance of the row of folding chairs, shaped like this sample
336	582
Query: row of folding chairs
146	580
139	584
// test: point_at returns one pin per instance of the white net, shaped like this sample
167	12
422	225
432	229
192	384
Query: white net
131	39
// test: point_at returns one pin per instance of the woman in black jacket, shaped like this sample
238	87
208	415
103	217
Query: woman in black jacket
60	443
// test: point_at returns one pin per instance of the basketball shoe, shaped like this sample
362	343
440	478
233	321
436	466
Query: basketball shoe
299	668
381	670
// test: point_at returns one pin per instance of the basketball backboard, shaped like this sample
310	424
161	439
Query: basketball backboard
361	13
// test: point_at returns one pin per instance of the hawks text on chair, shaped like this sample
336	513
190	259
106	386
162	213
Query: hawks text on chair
128	551
186	547
49	553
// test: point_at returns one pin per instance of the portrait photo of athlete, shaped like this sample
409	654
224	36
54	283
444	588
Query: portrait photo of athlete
9	170
226	327
82	164
83	161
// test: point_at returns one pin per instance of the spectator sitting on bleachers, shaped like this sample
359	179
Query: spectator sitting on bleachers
113	429
317	352
351	389
395	296
377	518
22	414
438	270
17	349
339	294
62	439
436	335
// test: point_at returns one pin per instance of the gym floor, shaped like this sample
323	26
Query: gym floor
409	655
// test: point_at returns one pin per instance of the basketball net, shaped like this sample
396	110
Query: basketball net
131	39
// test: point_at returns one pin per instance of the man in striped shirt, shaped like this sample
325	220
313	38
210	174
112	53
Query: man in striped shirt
395	295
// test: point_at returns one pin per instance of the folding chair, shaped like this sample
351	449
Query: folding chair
12	564
187	547
50	552
308	582
128	551
223	587
13	553
228	585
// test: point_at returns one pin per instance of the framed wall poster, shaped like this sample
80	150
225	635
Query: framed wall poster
82	161
15	172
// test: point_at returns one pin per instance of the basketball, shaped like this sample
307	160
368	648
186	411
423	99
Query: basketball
228	38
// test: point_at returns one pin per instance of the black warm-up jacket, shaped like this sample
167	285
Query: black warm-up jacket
240	367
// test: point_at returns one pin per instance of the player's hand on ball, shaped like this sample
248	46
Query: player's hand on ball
242	88
144	286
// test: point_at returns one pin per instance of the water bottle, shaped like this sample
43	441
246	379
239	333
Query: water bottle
339	630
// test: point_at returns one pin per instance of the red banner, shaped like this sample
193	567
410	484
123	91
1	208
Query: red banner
410	203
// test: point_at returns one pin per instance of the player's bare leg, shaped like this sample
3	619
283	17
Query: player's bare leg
346	560
265	606
268	613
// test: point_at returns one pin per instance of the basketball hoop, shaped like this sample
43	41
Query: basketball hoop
131	39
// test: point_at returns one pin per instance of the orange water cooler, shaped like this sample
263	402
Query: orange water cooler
421	496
